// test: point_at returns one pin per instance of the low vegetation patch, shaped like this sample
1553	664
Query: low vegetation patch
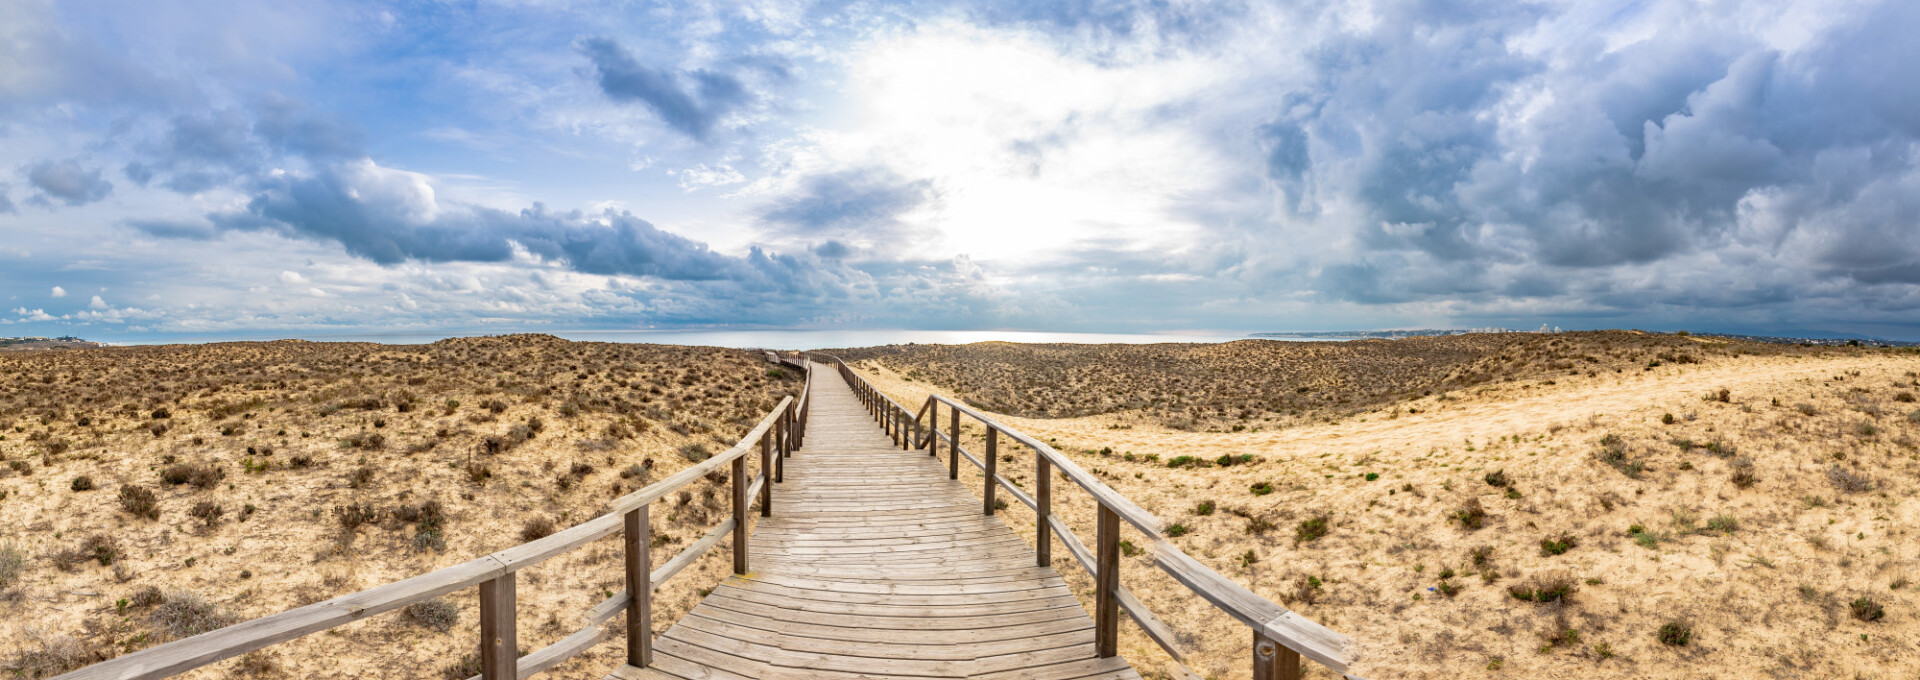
1312	529
1546	588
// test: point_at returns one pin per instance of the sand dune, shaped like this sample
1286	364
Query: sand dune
1764	576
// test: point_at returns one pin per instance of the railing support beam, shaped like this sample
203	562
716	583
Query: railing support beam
1043	508
767	454
993	460
1273	661
499	640
953	466
740	515
638	539
1106	584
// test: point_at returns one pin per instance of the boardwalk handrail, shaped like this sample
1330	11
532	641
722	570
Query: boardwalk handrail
777	435
1280	636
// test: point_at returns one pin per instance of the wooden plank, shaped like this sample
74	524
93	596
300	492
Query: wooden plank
673	482
554	654
691	553
183	655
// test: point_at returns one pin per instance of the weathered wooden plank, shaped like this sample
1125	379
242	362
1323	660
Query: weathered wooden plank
183	655
692	552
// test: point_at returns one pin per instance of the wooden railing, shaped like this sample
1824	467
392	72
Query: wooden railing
1280	637
776	437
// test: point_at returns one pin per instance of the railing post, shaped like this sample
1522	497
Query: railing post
1043	508
638	538
993	461
933	429
499	641
767	454
740	515
906	429
1272	661
777	473
1106	582
953	466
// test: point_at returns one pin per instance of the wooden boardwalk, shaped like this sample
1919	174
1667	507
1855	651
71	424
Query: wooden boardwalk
876	565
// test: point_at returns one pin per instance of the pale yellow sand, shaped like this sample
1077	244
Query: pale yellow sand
1770	598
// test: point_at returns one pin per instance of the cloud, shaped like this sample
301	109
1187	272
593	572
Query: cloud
68	181
6	204
857	205
59	292
97	303
691	110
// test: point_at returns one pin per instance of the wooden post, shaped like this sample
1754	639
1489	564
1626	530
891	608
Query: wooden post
638	538
740	515
933	429
1106	582
1043	508
766	468
1272	661
779	473
499	641
993	463
953	430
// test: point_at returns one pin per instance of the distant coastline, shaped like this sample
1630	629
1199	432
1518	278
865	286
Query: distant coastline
1826	339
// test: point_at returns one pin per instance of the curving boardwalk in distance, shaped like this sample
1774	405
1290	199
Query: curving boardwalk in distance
875	565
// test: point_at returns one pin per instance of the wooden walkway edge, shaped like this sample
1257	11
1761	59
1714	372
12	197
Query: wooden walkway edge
875	565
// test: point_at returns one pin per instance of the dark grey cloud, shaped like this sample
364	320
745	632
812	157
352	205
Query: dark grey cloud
68	182
385	217
857	204
193	231
691	110
285	124
1696	144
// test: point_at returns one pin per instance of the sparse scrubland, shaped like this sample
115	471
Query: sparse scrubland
1569	505
153	493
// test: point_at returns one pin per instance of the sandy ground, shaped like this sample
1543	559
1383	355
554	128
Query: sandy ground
291	551
1766	591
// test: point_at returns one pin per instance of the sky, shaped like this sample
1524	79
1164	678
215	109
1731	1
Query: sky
227	168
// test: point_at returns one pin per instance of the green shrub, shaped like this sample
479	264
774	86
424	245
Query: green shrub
1552	588
82	483
1558	545
1204	508
1471	515
1676	633
1867	610
1312	529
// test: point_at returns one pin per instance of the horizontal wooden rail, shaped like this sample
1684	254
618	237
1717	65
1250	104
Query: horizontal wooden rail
1135	609
494	573
1280	636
